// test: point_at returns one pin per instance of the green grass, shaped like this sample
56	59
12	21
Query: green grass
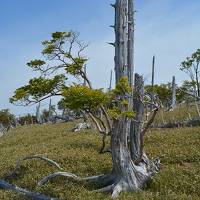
179	150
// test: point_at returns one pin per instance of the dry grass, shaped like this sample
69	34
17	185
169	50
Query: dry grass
181	113
179	150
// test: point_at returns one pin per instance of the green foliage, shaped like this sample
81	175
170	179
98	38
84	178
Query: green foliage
187	64
78	97
38	88
76	67
36	64
59	52
163	91
122	87
6	117
191	67
114	112
191	61
55	44
119	101
60	48
60	58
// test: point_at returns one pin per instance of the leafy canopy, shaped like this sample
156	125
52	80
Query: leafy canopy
191	67
6	117
63	59
79	97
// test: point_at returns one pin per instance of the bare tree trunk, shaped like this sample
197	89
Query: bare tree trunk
136	125
38	116
196	104
130	46
130	175
121	39
50	111
197	80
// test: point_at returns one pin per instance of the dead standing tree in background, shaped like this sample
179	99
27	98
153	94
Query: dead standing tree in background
111	78
152	83
38	116
50	111
173	105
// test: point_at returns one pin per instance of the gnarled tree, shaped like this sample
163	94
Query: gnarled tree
121	109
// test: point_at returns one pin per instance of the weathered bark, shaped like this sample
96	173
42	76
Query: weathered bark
100	179
197	79
81	126
38	116
136	125
50	111
130	46
196	104
129	176
121	39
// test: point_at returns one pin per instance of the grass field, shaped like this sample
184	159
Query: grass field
179	150
181	113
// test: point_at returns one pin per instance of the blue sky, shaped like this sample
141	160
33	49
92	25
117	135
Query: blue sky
167	28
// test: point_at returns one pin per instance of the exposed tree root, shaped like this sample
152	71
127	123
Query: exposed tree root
134	179
101	179
34	195
19	163
117	190
108	188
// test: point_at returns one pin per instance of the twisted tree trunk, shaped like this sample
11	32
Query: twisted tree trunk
131	167
129	177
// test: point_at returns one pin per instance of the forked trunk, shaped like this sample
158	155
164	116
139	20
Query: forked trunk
129	177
